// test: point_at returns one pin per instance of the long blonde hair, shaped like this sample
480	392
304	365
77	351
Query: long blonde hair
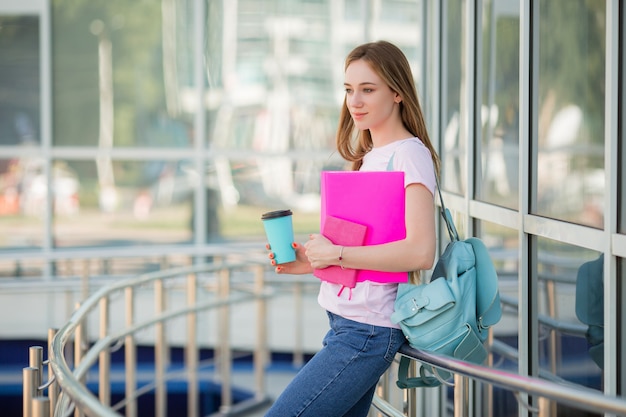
391	65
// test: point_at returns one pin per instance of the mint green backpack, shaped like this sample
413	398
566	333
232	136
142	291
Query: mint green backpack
451	314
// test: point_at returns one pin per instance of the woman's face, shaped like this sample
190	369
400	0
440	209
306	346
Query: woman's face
369	99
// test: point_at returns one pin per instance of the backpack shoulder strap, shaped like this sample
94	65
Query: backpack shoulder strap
445	213
423	380
488	308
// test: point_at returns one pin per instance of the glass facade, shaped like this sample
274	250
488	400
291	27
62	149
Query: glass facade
134	131
570	304
454	104
570	111
498	119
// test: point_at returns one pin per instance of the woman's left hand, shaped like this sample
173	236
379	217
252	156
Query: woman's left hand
321	252
298	267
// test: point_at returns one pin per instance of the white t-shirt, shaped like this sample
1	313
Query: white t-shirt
372	302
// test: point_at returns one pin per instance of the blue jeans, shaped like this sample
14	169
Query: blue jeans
341	378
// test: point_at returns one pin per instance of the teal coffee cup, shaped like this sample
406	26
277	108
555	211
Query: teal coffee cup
279	231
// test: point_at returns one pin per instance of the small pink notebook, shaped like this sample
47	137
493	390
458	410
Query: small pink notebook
374	199
345	233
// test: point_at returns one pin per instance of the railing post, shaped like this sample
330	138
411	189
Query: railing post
411	402
35	360
41	407
53	388
29	390
461	392
160	354
224	359
547	408
191	349
412	393
554	341
261	350
488	389
298	350
104	366
78	353
130	355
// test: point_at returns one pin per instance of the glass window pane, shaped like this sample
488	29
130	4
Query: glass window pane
23	190
502	244
19	81
354	10
274	86
400	11
499	162
454	138
570	156
149	203
270	183
122	73
279	89
570	295
20	268
280	98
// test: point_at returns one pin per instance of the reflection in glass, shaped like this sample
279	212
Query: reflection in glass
570	155
277	92
21	268
149	203
122	74
454	137
570	293
502	244
252	189
19	81
23	193
500	100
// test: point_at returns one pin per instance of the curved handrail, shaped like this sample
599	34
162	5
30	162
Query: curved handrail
550	322
68	380
74	390
385	408
583	398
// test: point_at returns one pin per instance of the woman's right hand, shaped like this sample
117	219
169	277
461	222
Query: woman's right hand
298	267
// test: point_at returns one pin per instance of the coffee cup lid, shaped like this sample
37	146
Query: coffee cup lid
275	214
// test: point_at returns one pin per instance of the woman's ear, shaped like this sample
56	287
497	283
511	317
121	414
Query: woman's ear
397	99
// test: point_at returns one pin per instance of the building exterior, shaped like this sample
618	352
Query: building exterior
133	131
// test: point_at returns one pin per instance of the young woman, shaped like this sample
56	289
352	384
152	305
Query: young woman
382	108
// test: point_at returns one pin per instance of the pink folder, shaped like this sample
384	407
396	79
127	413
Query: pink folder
374	199
346	233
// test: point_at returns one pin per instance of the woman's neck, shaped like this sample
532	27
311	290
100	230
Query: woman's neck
391	130
380	139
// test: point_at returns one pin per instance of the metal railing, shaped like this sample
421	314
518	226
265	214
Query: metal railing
76	351
222	292
562	392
